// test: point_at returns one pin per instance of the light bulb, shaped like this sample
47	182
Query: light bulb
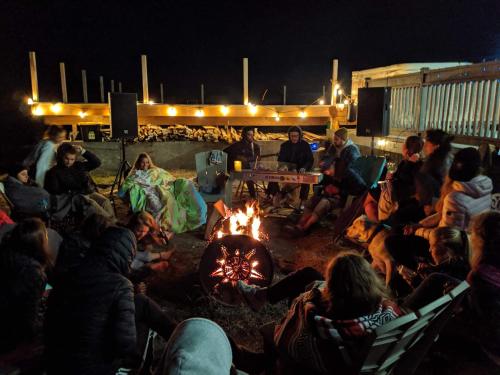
252	109
56	108
30	101
82	114
321	102
199	113
224	110
38	111
277	117
171	111
302	114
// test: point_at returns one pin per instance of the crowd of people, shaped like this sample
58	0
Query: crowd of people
78	290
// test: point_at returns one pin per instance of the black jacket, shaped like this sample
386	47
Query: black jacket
29	200
403	180
75	179
242	150
22	284
90	320
351	184
299	153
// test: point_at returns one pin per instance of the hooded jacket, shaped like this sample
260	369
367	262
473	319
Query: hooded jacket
75	179
466	200
197	346
90	320
298	153
27	199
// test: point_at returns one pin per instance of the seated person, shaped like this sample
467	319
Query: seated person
332	193
24	259
70	177
149	235
352	302
176	204
398	191
246	151
295	152
343	148
28	198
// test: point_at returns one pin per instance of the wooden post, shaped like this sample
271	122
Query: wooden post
112	85
34	77
162	98
202	94
245	80
119	87
64	89
284	94
145	91
324	92
84	86
335	73
101	84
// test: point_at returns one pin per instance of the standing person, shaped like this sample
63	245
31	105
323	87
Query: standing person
43	156
175	203
71	176
23	262
295	155
246	151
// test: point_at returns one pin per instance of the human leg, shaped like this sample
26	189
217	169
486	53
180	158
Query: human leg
433	287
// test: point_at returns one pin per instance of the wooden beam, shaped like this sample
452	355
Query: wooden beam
112	85
162	98
145	90
34	77
245	80
84	86
335	73
202	94
64	88
284	95
101	86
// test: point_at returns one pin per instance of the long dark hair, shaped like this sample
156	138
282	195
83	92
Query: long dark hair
352	288
29	237
439	138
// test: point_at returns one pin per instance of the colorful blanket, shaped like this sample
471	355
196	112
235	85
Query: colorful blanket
175	203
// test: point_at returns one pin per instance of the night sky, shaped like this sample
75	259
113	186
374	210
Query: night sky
189	43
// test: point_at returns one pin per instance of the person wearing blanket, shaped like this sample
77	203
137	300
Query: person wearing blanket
351	303
465	194
175	203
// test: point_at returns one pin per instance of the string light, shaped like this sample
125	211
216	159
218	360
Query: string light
82	114
381	142
38	111
302	114
56	108
339	92
224	110
276	117
171	111
346	101
321	102
151	102
199	113
30	101
252	108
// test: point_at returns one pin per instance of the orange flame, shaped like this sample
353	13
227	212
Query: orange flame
247	222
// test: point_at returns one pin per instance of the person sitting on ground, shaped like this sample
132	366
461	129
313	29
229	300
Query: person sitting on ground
175	203
149	235
24	261
352	302
484	280
466	194
343	148
449	252
28	198
295	155
246	151
398	192
94	324
332	193
70	177
76	245
43	156
433	172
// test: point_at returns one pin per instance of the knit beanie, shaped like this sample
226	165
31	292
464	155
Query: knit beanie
466	165
342	133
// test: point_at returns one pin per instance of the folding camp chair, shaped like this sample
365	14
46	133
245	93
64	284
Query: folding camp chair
208	165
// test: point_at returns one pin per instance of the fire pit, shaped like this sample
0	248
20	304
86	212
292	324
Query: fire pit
237	255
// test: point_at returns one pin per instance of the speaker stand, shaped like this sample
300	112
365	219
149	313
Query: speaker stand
121	173
372	147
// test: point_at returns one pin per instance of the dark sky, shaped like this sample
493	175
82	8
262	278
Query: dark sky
192	42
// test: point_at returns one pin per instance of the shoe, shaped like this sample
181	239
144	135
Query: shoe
249	293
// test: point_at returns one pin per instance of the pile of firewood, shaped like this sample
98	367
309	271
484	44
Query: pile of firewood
228	134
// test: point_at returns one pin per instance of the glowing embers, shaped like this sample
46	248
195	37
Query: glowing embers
231	258
237	266
242	222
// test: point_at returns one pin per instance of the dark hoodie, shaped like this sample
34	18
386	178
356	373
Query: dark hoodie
75	179
90	321
298	153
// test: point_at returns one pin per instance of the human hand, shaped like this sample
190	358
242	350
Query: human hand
78	149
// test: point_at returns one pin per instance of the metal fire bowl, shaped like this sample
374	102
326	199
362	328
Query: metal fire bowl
227	293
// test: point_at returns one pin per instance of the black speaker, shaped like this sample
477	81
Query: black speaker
373	112
123	115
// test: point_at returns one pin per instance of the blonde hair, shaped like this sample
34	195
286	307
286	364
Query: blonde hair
352	287
143	218
451	243
142	155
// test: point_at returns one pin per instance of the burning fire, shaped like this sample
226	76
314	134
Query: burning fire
237	266
244	222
